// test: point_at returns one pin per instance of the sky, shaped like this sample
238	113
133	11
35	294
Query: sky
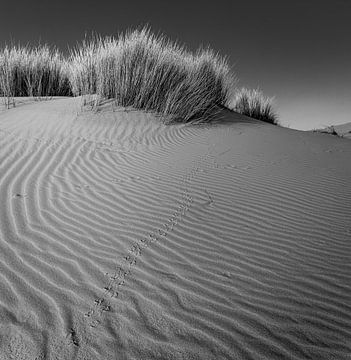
297	51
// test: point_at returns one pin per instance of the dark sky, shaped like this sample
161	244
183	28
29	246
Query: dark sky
299	51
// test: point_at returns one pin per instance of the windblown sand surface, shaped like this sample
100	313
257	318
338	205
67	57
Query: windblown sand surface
122	238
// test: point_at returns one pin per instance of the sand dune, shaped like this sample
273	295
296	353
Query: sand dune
122	238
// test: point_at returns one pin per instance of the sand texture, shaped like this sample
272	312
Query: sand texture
122	238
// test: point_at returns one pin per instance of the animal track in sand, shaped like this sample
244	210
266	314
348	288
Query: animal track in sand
123	269
74	337
19	196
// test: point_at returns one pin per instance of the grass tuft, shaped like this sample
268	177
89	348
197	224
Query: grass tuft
137	69
144	71
254	104
32	71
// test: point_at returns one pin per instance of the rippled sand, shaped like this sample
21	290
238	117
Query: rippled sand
122	238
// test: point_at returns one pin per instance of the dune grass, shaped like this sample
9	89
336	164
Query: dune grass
32	71
254	104
137	69
144	71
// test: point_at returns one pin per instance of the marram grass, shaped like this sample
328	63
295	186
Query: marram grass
137	69
33	71
145	71
254	104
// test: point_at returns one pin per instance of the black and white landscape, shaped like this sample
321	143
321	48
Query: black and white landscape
154	204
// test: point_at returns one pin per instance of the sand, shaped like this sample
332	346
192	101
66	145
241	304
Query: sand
122	238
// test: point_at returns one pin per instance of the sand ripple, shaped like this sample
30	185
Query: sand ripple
124	238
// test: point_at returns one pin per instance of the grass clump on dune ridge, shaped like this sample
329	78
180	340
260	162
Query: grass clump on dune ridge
32	71
145	71
137	69
254	104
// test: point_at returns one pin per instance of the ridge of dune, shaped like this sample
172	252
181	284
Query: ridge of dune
123	237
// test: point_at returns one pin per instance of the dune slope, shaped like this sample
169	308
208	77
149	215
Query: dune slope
122	238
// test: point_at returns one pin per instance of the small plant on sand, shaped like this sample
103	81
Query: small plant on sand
254	104
331	130
328	130
144	71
